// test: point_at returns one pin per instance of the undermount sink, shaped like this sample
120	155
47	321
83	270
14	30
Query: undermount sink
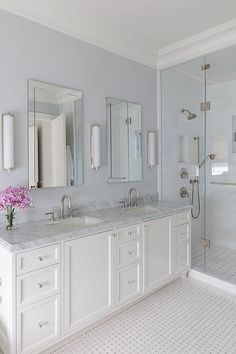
80	221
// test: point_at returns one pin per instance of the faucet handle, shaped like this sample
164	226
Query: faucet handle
52	215
122	203
73	210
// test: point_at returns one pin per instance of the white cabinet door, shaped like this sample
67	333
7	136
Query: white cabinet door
89	271
157	253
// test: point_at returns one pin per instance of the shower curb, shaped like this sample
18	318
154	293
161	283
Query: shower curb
221	284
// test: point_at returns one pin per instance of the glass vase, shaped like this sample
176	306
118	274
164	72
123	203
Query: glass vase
10	216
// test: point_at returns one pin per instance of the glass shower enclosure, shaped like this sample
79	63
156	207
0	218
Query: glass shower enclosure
198	149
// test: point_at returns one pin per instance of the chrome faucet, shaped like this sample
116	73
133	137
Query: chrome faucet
132	203
65	196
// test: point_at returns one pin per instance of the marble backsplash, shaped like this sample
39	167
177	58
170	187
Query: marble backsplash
35	214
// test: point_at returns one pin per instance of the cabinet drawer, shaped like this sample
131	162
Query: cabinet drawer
38	325
128	283
182	257
182	233
35	286
128	233
36	259
128	252
182	218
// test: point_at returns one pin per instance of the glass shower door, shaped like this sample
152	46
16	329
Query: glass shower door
183	146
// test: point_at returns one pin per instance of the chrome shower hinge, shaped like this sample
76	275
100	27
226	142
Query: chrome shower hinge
205	242
205	106
205	67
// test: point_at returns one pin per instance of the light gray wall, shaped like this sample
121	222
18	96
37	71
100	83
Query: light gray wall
31	51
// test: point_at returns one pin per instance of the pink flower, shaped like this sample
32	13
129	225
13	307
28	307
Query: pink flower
15	197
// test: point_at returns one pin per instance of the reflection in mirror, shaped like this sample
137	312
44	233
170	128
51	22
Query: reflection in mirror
55	136
124	141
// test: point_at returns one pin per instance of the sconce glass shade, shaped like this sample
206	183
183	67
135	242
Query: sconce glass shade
95	146
151	148
1	142
7	142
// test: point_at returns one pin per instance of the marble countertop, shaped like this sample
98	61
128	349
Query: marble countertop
34	234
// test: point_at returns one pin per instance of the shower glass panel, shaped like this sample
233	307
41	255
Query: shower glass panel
220	259
199	155
183	145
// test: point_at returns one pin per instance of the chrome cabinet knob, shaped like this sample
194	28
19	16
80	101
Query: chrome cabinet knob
41	284
132	282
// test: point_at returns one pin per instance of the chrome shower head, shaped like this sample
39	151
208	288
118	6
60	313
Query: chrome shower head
190	115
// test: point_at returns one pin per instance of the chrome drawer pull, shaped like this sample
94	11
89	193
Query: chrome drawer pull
40	258
129	233
42	324
131	252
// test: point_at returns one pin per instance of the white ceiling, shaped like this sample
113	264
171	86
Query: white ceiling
133	28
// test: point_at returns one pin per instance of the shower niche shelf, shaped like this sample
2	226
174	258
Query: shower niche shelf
188	149
223	183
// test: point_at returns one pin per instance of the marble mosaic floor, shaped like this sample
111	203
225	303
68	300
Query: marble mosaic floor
220	262
185	317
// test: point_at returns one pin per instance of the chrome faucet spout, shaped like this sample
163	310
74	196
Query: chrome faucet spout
132	202
65	196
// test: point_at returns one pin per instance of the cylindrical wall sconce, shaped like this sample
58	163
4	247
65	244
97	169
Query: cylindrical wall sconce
7	142
95	146
151	148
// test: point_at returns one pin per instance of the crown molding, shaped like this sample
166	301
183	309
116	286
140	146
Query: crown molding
205	42
48	13
81	28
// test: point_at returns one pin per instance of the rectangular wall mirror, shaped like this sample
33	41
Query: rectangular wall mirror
55	120
124	141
